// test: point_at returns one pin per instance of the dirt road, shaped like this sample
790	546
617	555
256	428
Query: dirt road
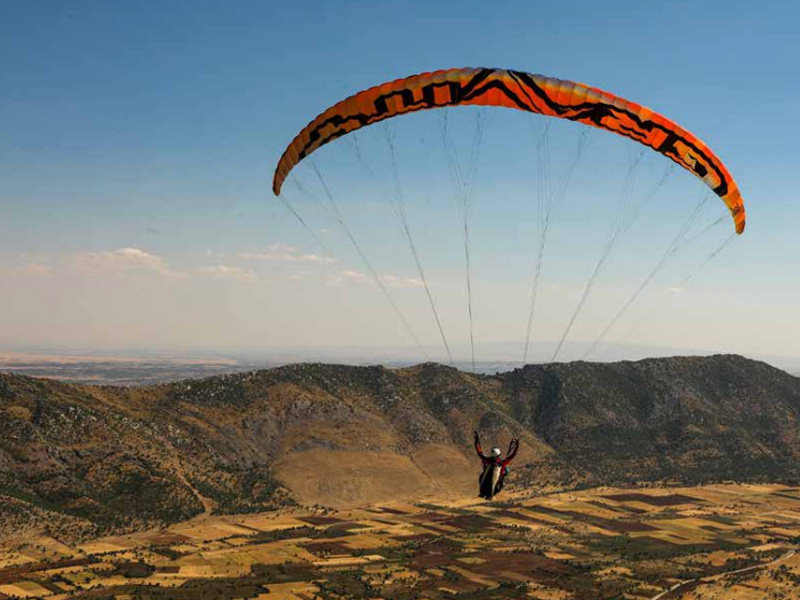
675	591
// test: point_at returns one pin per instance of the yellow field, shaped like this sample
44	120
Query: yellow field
712	542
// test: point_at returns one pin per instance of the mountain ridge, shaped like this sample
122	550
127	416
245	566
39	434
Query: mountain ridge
105	458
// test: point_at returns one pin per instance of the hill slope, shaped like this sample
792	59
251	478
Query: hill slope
85	459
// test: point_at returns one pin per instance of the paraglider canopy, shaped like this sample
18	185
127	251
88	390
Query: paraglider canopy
523	91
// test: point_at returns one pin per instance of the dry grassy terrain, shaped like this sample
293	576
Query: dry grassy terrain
713	542
92	460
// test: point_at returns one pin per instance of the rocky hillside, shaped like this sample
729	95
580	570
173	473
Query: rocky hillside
84	459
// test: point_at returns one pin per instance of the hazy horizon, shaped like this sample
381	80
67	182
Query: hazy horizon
501	355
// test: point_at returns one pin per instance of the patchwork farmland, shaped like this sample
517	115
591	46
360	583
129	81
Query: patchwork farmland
718	541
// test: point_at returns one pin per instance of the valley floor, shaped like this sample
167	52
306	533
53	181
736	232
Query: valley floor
723	541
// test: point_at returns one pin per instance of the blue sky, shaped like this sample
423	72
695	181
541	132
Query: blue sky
139	139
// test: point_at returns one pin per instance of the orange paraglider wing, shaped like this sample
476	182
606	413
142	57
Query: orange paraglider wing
523	91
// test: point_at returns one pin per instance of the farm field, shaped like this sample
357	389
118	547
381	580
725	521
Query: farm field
717	541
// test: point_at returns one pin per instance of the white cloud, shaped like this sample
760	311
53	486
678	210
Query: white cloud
121	261
33	270
237	273
355	276
334	281
402	282
359	277
346	276
316	258
286	248
286	253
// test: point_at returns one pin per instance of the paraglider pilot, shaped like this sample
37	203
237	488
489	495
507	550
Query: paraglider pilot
495	467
